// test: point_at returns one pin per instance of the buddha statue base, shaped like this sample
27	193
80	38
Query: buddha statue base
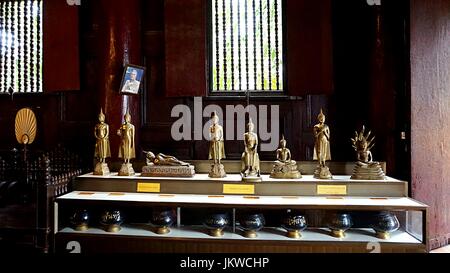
217	171
251	178
285	171
152	170
127	170
288	175
101	169
323	172
368	171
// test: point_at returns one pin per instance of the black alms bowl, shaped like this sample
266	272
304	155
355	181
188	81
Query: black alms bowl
163	217
385	223
112	219
252	221
79	219
217	221
338	223
294	222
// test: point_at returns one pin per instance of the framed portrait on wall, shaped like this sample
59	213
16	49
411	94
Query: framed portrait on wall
132	79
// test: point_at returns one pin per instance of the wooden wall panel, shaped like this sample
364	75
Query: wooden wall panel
430	104
185	45
61	68
310	50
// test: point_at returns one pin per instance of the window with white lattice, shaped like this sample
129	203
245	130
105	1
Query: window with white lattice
21	46
246	45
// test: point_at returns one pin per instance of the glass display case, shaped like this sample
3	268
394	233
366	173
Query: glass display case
140	214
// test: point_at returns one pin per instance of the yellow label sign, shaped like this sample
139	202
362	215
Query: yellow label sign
331	189
149	187
86	193
117	194
238	189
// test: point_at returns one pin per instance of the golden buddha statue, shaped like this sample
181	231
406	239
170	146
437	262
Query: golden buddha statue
162	165
216	148
250	170
102	148
163	160
365	168
127	146
363	144
322	151
284	166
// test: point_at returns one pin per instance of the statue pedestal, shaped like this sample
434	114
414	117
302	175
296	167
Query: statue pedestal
217	171
368	171
127	170
101	169
323	173
168	171
285	171
251	179
288	175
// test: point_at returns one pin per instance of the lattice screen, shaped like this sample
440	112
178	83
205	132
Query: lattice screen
247	51
21	46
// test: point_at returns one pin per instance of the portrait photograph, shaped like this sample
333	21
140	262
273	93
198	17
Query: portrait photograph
132	79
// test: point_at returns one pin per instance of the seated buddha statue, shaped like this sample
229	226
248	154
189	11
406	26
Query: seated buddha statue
284	166
365	167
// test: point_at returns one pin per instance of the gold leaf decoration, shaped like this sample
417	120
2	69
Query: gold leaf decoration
26	126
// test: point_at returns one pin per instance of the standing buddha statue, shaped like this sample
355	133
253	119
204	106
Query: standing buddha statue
102	148
250	168
322	151
216	148
127	146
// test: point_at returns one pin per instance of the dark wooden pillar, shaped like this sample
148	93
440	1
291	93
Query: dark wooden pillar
388	95
381	97
117	25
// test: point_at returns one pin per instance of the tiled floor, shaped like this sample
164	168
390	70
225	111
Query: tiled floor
445	249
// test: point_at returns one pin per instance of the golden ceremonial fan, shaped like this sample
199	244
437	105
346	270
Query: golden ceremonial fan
26	126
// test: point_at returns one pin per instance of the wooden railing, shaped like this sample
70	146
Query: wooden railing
40	178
